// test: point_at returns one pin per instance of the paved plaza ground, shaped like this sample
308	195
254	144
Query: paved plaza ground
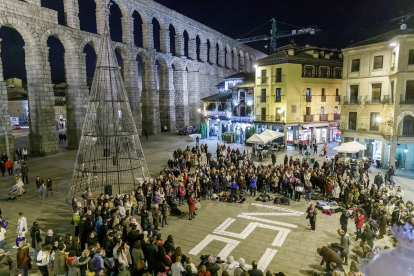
280	239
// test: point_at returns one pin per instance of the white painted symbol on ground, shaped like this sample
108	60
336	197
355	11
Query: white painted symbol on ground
230	245
278	241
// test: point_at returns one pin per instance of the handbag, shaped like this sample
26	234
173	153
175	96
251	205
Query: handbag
4	223
88	272
141	264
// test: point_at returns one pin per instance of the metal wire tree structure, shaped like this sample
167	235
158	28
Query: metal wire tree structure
110	152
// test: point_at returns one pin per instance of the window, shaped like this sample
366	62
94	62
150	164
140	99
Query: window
308	71
263	114
264	77
411	57
308	110
308	95
409	91
408	126
392	92
322	110
393	60
278	111
355	65
323	96
61	109
242	111
377	62
337	97
336	92
324	72
278	95
278	74
353	93
293	108
376	92
263	98
336	110
374	124
242	96
338	73
352	121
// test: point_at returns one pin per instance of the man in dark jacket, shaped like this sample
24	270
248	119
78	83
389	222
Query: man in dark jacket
378	180
24	171
208	155
109	245
150	252
212	267
254	271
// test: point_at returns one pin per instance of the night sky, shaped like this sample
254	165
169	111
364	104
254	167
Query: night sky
342	22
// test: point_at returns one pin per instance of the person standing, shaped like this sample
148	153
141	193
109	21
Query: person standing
21	227
24	153
274	158
155	217
164	213
36	239
191	201
17	167
25	171
345	242
49	187
378	180
9	166
311	211
19	153
60	268
23	258
2	237
308	192
2	167
39	185
254	271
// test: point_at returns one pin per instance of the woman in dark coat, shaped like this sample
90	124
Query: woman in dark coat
241	183
329	256
162	261
383	220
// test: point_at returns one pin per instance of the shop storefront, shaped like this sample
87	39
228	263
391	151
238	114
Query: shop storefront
374	149
333	133
305	134
321	135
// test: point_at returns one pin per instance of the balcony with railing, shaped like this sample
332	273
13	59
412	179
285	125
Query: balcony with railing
242	119
407	98
338	99
323	117
262	99
372	100
308	98
278	78
387	99
323	99
268	118
374	127
351	100
337	116
352	124
263	80
215	113
308	118
277	98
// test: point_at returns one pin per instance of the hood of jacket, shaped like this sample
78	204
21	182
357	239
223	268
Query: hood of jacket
230	259
70	260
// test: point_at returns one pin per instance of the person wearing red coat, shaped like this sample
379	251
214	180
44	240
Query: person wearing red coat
191	201
328	189
359	223
9	166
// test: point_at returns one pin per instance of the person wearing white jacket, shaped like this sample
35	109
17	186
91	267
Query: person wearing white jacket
177	267
229	265
43	258
21	225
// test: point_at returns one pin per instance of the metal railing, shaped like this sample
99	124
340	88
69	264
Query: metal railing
323	99
337	98
262	99
215	113
278	78
352	124
374	127
407	98
308	118
263	80
268	118
387	99
323	117
277	98
337	116
247	119
351	100
308	98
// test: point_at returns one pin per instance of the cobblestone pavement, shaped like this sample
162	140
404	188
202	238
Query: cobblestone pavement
280	239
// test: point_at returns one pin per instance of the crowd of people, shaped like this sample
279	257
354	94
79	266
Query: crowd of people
121	234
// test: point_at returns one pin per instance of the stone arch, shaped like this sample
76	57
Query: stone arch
247	64
68	42
28	34
92	40
144	16
401	117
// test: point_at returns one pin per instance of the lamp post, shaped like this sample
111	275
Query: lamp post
405	152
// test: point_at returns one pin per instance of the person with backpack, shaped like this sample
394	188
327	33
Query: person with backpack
241	269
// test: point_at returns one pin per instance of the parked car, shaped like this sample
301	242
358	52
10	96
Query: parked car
16	126
187	130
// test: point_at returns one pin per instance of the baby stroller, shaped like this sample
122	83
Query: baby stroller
13	194
322	154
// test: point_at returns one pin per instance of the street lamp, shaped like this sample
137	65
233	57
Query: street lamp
378	119
406	149
392	44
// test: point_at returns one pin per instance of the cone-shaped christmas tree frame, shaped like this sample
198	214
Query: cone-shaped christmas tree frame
110	152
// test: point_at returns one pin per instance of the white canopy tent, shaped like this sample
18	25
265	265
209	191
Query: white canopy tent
271	134
350	147
257	139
